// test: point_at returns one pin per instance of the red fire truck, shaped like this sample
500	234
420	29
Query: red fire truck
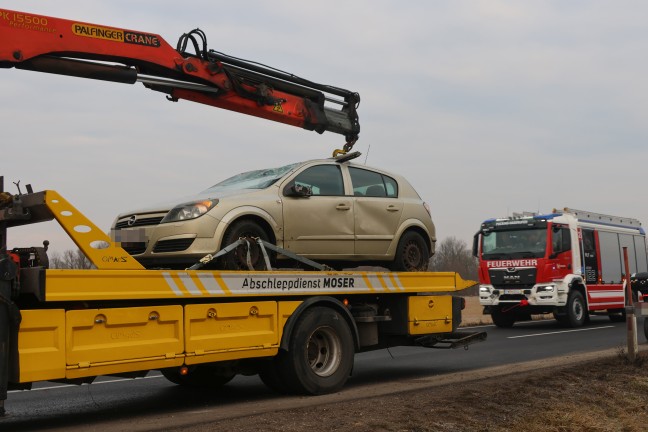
568	263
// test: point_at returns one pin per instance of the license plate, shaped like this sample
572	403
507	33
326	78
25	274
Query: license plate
512	291
129	235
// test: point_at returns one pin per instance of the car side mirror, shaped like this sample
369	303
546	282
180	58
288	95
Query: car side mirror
298	190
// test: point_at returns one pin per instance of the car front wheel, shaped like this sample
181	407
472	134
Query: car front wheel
238	258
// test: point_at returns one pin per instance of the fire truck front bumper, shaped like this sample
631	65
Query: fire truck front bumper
545	294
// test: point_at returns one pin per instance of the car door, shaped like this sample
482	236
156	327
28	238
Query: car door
378	211
320	224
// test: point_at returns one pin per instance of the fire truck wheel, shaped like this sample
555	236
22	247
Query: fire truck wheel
412	253
237	259
199	376
320	355
616	316
502	319
646	328
576	309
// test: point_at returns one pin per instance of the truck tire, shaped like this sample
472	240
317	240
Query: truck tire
199	376
412	253
617	316
502	319
237	259
646	328
320	355
576	310
270	374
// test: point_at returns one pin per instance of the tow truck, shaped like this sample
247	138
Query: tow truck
299	330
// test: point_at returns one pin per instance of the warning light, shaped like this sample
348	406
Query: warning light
184	370
346	302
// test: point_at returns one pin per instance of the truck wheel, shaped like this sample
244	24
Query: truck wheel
270	374
616	316
199	376
576	309
237	259
502	319
646	327
412	253
320	355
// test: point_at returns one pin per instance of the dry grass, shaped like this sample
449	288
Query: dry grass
472	315
603	395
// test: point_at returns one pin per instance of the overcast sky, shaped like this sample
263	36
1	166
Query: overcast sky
487	107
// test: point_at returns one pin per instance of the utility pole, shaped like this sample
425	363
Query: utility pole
631	319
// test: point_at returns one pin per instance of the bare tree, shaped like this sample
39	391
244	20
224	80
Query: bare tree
454	255
70	259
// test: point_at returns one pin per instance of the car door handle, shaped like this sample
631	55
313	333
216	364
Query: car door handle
343	207
392	208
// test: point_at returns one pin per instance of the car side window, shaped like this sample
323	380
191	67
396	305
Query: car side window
322	180
372	184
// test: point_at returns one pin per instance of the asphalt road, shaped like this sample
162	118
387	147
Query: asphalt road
152	403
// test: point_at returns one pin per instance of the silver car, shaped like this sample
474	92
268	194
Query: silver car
328	210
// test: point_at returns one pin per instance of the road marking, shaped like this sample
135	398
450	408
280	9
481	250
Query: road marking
558	332
93	383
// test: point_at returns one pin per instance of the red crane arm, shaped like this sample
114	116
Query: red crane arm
54	45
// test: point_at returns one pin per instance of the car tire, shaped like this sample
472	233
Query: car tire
237	259
412	253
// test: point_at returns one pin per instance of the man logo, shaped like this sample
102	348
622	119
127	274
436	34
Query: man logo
132	220
509	270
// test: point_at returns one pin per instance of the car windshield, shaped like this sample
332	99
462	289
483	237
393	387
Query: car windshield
258	179
527	243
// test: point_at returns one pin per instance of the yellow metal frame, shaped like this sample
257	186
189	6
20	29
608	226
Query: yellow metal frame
86	285
94	243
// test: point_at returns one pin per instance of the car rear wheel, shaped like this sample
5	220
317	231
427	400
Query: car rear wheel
237	259
412	253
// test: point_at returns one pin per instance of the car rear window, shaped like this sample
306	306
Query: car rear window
372	184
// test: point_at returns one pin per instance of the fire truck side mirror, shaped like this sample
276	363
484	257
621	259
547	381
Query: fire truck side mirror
475	247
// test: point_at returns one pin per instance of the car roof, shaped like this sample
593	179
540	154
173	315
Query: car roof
346	160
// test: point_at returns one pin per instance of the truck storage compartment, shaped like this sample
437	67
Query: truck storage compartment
217	330
421	314
105	341
429	314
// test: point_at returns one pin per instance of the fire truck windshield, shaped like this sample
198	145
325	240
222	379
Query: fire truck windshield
522	243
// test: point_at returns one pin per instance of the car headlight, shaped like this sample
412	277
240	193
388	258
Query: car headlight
190	210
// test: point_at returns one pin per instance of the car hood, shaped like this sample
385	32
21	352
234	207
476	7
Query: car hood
168	205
